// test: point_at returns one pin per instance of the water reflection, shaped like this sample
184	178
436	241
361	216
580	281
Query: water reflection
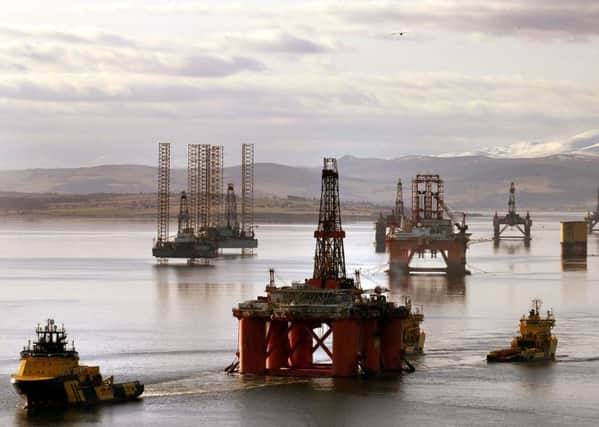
511	247
429	288
68	416
574	264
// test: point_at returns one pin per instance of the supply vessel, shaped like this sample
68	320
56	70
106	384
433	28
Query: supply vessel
413	336
50	375
535	341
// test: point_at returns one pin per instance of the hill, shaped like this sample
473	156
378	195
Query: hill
567	181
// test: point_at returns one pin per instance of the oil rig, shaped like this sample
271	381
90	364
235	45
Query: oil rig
512	220
208	220
326	325
429	232
592	218
395	220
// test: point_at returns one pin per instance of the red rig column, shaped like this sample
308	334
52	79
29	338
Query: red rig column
391	345
371	346
252	345
300	343
277	346
346	338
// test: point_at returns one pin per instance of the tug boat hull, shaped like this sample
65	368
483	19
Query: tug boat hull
68	391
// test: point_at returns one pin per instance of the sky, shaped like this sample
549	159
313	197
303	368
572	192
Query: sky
86	83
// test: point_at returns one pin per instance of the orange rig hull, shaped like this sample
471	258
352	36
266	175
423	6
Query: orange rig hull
403	250
333	341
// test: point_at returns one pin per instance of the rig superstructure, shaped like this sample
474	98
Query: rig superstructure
328	316
512	220
592	218
208	220
429	232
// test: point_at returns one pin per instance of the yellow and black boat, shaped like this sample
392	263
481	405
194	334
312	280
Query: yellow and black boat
535	341
50	374
413	336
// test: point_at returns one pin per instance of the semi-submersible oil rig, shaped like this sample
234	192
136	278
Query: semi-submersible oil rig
328	315
433	230
208	219
512	220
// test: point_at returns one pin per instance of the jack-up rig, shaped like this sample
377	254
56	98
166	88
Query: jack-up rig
429	232
395	220
207	220
328	317
592	218
512	220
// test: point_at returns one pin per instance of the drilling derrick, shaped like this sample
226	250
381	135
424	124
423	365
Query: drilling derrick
429	232
357	331
184	218
394	221
592	218
398	213
231	209
512	220
329	258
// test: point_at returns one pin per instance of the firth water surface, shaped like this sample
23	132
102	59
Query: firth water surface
171	327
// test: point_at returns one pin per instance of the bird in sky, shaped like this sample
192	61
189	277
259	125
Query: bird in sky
398	33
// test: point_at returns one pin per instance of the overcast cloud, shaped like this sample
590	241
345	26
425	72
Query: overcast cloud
82	84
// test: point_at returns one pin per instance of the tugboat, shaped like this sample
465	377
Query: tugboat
50	374
413	336
535	341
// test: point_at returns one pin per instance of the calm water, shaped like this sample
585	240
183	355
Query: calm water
172	328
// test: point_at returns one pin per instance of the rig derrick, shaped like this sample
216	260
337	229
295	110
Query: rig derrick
512	220
396	220
592	218
429	232
288	331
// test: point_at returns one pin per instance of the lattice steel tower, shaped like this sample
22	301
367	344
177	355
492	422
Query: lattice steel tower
193	189
399	207
329	258
164	166
215	186
247	190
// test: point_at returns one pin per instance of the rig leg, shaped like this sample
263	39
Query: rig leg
392	357
346	336
277	345
252	346
300	342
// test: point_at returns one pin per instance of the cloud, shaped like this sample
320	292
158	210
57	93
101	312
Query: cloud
537	19
60	53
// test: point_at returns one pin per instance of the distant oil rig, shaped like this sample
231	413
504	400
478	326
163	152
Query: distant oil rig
428	231
592	218
208	219
512	220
